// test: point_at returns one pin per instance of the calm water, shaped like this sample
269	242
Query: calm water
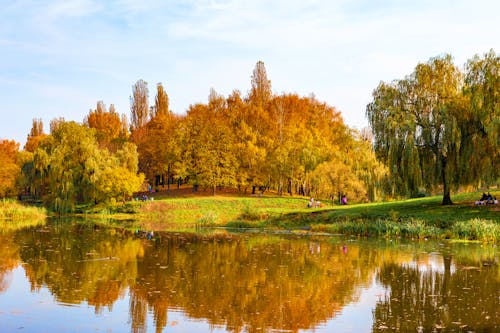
84	278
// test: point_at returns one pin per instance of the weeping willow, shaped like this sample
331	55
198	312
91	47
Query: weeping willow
438	128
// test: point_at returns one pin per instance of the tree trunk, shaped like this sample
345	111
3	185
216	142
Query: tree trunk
446	186
168	178
447	198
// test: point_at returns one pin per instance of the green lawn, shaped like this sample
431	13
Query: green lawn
413	218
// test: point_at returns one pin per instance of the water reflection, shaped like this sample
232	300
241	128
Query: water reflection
9	259
256	283
447	293
246	283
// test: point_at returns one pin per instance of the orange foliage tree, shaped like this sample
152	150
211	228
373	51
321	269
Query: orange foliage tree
9	170
110	127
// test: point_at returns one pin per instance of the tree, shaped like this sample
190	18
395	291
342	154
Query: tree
480	151
35	136
139	105
261	86
118	178
156	145
420	130
9	170
74	166
209	145
108	126
77	171
161	101
250	151
55	123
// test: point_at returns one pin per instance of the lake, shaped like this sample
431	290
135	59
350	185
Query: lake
82	277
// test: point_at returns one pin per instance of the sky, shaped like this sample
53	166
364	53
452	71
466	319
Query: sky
59	57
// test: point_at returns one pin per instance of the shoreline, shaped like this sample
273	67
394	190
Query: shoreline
422	218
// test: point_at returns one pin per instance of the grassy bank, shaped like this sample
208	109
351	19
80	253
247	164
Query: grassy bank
416	218
14	215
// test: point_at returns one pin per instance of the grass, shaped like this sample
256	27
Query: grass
14	215
414	218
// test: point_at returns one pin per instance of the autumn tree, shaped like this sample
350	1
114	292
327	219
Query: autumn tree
35	136
307	130
209	145
253	124
118	178
56	123
108	125
139	105
158	147
420	130
161	101
352	170
9	170
261	86
250	152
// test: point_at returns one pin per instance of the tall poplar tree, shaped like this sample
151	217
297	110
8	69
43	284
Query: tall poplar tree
35	136
161	101
157	149
139	105
261	86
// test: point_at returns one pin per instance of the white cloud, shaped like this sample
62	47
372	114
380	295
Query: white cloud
89	50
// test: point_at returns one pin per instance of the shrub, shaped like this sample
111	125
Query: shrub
477	229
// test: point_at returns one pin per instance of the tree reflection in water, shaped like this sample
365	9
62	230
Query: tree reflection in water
245	283
255	282
459	297
9	259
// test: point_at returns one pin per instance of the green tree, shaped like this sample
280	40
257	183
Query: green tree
74	166
74	170
118	178
480	122
420	131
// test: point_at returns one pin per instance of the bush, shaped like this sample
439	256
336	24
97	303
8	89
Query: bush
477	229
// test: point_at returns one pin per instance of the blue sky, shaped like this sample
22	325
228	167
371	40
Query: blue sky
58	58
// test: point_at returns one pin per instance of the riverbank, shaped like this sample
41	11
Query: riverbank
414	218
14	215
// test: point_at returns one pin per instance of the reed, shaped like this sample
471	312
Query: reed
14	215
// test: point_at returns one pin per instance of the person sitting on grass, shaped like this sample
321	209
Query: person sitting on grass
489	198
312	203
